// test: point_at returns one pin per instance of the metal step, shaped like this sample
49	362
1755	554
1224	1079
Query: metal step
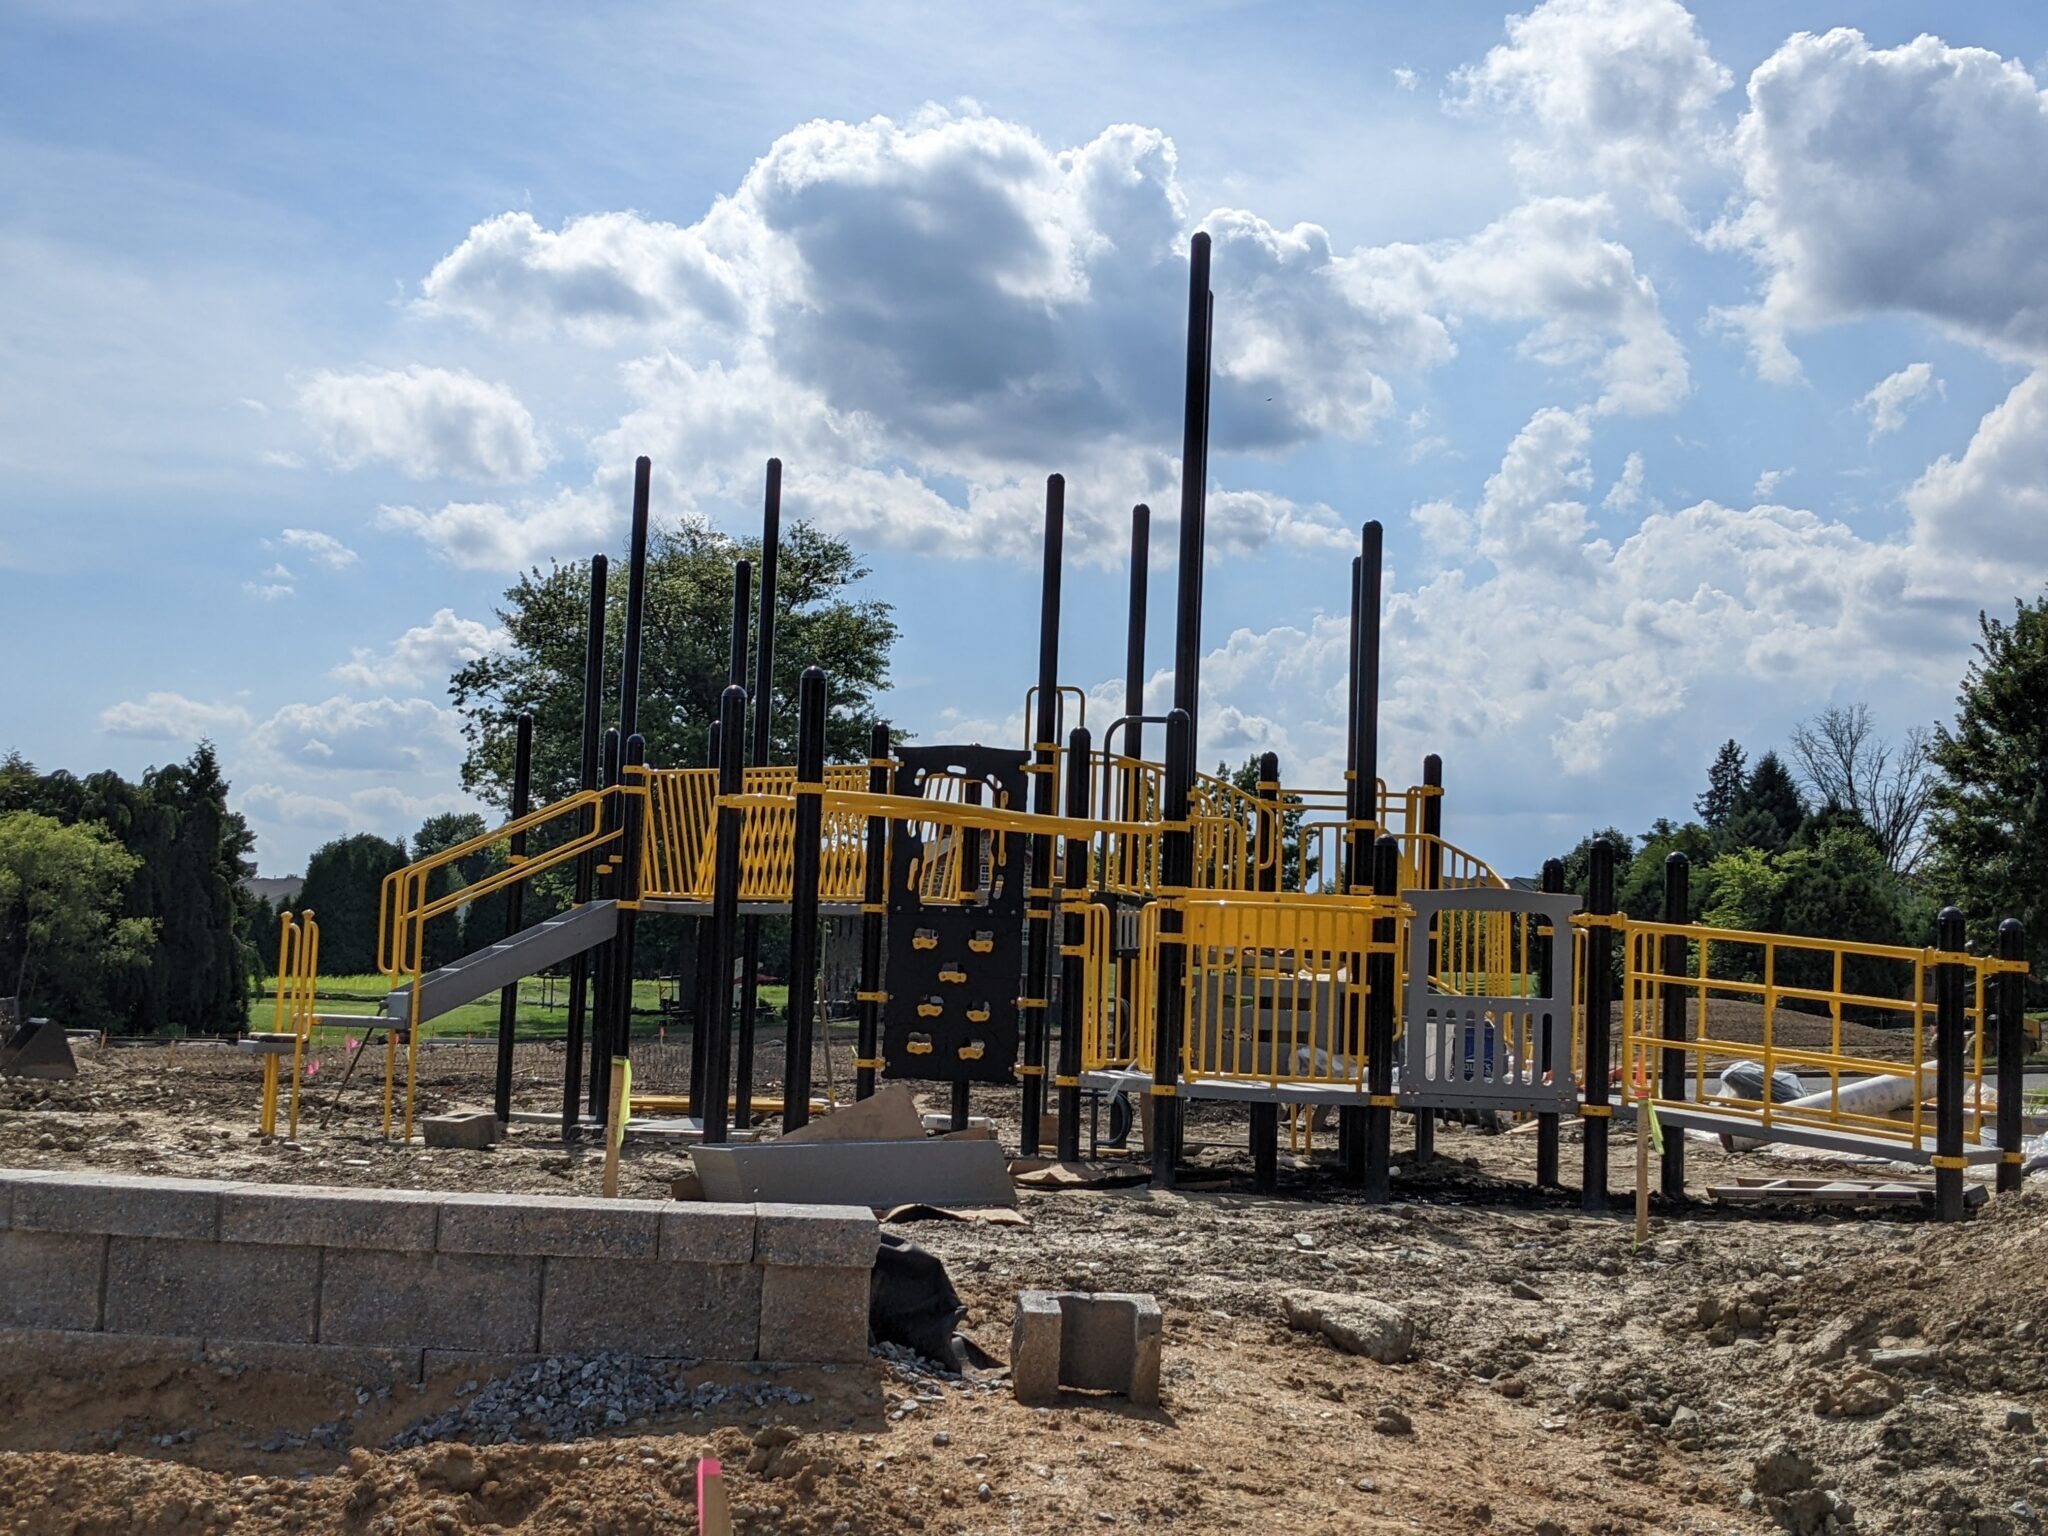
1750	1127
487	970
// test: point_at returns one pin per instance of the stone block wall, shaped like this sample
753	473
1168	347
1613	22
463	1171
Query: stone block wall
402	1283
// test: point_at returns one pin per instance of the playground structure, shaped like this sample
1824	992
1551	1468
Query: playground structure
1085	919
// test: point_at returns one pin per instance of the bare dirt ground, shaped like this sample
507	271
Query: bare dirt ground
1743	1372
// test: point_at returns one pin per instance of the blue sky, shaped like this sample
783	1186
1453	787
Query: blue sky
1690	361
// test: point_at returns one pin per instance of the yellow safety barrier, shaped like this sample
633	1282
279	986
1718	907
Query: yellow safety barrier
1815	990
298	970
679	839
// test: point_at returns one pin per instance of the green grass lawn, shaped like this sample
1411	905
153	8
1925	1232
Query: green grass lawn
543	1007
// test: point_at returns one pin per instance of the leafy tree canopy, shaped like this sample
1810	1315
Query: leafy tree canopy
686	653
61	890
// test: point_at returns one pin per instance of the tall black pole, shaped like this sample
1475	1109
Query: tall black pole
1556	948
1677	907
1134	641
1951	982
1038	894
1073	964
807	862
1380	1015
1364	802
636	598
725	906
1599	998
515	911
764	699
579	965
2012	1052
608	953
1187	633
873	904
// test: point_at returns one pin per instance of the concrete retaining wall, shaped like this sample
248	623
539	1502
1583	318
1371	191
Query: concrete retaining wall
402	1283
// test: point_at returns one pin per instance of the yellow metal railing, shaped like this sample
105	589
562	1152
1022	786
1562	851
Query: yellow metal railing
405	909
679	838
298	973
1275	987
1783	984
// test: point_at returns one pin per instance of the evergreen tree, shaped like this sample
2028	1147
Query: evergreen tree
1990	813
344	880
1768	812
1726	778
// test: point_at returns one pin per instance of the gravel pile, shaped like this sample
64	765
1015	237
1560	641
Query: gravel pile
926	1377
572	1397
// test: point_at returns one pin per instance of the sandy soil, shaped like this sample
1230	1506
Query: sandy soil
1715	1381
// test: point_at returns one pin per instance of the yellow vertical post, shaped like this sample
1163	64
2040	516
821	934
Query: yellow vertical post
302	1009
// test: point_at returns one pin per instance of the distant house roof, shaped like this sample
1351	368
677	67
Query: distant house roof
275	888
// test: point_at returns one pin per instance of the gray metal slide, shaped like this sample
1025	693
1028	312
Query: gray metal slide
487	970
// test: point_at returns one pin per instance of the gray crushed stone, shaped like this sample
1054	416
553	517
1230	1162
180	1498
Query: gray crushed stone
572	1397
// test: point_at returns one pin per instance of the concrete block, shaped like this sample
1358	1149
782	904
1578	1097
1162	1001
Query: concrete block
118	1205
305	1215
551	1225
815	1314
214	1290
1035	1348
698	1311
1105	1342
1110	1343
50	1279
699	1232
353	1365
430	1300
9	1177
828	1236
467	1129
42	1356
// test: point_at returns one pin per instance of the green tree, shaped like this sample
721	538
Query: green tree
1725	780
1989	818
61	890
344	880
1578	864
468	927
685	656
1640	891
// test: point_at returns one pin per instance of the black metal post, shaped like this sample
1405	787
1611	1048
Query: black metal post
1270	851
1363	804
704	992
636	599
1381	1012
1134	640
873	904
764	701
1073	941
1599	995
1555	948
725	907
1432	830
1951	1001
632	822
807	863
1677	909
607	959
515	911
1038	893
1176	857
579	965
2012	1051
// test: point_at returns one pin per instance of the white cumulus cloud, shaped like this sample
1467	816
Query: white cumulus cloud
323	548
425	654
1625	88
431	423
172	717
488	536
